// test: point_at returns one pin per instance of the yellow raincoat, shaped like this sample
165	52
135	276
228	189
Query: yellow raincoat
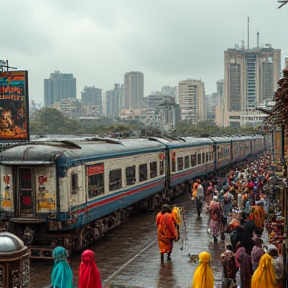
203	276
264	275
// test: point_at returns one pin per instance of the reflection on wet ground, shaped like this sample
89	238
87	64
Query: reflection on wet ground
129	255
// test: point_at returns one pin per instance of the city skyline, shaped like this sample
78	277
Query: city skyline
167	41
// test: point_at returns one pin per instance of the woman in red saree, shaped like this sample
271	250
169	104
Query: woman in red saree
89	276
166	231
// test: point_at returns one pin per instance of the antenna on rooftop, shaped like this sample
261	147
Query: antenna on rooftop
248	33
283	3
257	39
4	65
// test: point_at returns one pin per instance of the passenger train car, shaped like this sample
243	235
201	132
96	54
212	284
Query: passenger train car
70	193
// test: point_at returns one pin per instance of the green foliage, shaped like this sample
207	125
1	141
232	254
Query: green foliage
53	121
208	128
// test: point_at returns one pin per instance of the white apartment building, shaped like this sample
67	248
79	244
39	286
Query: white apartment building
191	95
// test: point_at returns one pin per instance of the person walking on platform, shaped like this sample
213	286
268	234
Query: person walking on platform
199	198
89	275
215	212
257	252
264	276
203	276
194	188
176	215
247	240
277	263
166	232
229	267
61	276
244	263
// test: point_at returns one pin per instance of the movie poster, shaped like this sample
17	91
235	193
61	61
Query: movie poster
14	105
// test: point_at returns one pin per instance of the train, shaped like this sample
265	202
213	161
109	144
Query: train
70	192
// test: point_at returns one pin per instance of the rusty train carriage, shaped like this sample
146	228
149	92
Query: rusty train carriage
71	193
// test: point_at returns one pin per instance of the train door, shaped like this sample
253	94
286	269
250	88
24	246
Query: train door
26	189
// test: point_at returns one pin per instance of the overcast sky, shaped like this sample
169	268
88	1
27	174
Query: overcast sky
167	40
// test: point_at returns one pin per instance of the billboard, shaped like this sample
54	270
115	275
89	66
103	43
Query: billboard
14	106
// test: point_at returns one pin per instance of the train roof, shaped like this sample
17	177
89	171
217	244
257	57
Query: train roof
221	139
82	148
179	142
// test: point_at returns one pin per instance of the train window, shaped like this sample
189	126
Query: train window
153	169
203	158
74	183
187	162
173	161
193	160
199	159
142	172
115	179
95	185
161	167
226	152
180	163
130	175
210	156
220	153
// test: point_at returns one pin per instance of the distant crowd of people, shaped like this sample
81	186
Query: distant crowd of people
242	204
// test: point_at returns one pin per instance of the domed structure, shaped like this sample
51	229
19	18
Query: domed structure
14	262
10	243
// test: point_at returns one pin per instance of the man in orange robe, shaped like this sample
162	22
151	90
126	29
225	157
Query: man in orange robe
166	231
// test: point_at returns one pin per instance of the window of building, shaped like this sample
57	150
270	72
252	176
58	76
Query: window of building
207	157
153	169
180	163
115	179
95	180
130	175
203	158
187	162
142	172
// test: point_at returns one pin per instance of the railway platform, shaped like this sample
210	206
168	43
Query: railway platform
128	256
146	271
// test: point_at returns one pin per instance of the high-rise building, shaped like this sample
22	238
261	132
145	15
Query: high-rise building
168	90
192	100
220	89
113	101
93	96
250	76
134	89
58	87
210	105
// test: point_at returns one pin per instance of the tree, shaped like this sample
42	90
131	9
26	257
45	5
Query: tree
52	121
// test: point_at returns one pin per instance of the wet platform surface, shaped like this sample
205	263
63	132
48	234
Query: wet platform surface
128	256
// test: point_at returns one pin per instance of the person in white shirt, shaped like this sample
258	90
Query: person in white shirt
199	198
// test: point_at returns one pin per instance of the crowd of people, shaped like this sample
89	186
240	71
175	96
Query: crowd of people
244	211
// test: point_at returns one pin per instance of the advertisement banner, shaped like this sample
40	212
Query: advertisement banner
14	106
